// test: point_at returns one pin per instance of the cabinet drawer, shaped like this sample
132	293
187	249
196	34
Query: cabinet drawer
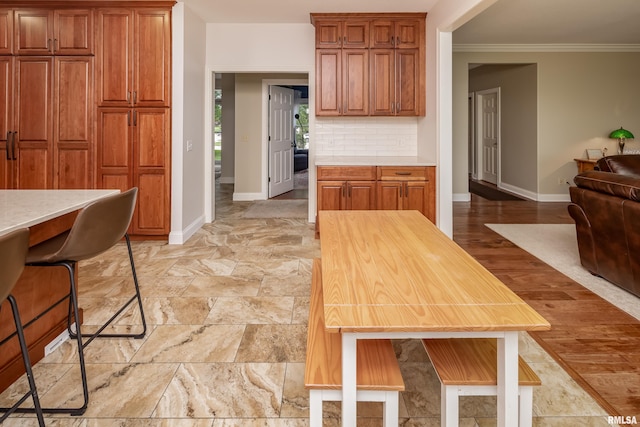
404	173
346	173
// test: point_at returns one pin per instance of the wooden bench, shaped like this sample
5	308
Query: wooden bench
378	377
467	367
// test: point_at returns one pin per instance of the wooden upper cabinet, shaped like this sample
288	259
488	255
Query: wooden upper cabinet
396	33
6	31
355	82
33	32
336	34
73	32
134	58
53	32
152	58
381	71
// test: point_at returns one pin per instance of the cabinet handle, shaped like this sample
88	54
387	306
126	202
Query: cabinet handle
349	186
13	146
55	45
397	41
129	118
401	187
135	118
135	96
128	96
344	190
403	173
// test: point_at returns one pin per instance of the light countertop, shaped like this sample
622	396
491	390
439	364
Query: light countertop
372	161
25	208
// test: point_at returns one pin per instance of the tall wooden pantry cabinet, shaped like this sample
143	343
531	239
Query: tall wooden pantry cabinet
85	100
134	115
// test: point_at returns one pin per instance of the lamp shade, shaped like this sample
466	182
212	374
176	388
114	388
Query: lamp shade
621	134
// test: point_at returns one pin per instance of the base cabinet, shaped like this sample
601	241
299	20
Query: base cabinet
407	188
377	187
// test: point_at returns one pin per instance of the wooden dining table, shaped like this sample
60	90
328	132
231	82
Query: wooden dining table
394	274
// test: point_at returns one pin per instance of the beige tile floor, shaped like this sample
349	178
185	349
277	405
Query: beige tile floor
226	345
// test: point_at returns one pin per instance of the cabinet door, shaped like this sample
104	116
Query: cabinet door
416	196
151	170
355	82
382	34
408	82
113	68
6	31
328	34
33	32
355	34
6	121
114	167
331	195
328	82
152	58
408	33
34	119
390	195
73	32
382	82
361	195
73	124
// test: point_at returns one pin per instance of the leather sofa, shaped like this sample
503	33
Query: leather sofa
605	205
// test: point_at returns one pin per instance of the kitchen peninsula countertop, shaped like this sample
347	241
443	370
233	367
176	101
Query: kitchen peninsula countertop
25	208
372	161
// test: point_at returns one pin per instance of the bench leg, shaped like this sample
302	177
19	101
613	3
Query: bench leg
390	409
526	406
448	406
315	408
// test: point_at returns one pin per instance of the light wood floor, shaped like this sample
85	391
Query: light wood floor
598	344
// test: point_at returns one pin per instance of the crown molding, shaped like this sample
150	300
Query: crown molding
546	47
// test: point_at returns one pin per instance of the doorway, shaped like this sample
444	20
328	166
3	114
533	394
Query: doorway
487	135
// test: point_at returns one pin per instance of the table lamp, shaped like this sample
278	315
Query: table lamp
621	135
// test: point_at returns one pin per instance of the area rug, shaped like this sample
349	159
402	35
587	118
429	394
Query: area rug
277	209
490	193
556	245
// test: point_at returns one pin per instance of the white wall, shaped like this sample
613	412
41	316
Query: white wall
582	97
188	100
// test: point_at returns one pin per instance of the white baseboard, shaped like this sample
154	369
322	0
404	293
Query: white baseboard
248	197
179	237
461	197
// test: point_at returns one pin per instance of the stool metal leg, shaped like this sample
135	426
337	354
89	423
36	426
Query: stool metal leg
33	392
137	296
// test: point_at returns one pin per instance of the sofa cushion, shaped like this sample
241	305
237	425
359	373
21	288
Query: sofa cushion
625	186
624	164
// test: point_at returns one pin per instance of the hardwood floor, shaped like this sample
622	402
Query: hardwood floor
598	344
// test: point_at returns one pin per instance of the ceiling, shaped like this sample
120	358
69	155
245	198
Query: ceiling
506	22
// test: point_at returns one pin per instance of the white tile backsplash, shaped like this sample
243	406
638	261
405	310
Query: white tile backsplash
366	136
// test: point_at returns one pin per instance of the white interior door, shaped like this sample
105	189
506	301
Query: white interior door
489	134
281	140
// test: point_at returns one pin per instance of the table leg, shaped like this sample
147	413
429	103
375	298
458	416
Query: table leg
348	380
507	379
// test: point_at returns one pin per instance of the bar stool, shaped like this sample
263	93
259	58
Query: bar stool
98	227
13	251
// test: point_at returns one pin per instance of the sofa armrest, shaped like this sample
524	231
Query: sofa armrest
624	186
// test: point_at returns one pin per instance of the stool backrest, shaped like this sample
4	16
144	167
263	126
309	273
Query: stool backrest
98	226
13	251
